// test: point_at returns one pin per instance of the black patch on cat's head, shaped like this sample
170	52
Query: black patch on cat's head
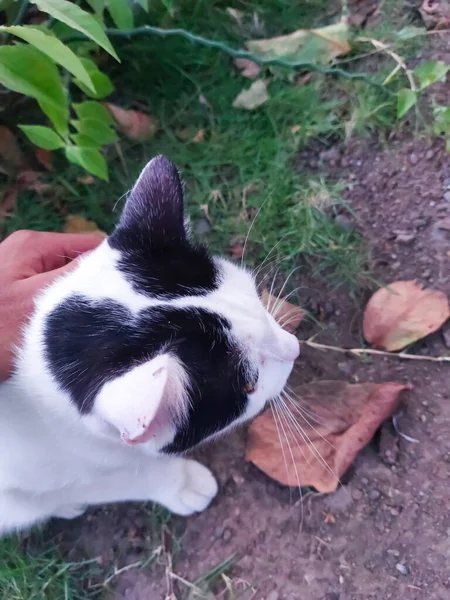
90	342
156	256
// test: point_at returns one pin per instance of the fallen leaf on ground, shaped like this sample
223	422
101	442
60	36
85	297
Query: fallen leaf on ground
8	200
252	97
31	180
24	180
403	313
134	124
87	179
236	248
78	224
12	159
435	15
288	315
44	157
337	419
199	136
305	45
247	67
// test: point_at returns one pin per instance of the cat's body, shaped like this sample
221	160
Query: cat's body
144	350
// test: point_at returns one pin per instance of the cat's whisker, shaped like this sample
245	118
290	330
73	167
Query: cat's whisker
285	283
293	429
294	406
302	409
280	415
270	252
244	248
285	299
293	461
313	448
275	415
271	300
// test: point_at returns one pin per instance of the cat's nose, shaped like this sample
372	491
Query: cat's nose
288	347
293	348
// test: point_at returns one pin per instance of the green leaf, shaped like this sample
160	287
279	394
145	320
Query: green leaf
79	19
431	71
441	119
25	70
410	31
96	130
144	4
93	110
102	83
98	6
406	99
121	14
54	49
90	159
84	141
169	5
43	137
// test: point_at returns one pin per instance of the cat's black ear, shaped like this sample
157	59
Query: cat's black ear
154	206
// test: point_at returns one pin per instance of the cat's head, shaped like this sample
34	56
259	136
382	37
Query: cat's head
155	341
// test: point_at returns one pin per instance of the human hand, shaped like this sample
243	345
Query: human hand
29	261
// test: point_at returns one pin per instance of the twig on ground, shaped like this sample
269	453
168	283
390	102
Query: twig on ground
370	351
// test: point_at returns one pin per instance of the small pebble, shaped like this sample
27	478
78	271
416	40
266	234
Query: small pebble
364	481
227	535
429	155
405	238
273	595
401	569
357	494
413	158
393	552
447	195
373	494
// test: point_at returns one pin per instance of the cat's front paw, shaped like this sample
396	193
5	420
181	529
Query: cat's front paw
198	489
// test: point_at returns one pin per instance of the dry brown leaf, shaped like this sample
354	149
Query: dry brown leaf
435	15
236	248
8	200
252	97
12	159
78	224
86	179
403	313
25	180
44	157
288	315
247	67
306	45
134	124
346	417
31	180
199	136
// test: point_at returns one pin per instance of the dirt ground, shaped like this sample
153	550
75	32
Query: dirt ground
391	535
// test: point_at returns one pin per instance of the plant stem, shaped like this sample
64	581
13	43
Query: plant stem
21	12
198	39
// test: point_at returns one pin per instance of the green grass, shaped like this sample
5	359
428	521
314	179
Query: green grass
37	574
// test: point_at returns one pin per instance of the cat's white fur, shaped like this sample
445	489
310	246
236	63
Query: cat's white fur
54	462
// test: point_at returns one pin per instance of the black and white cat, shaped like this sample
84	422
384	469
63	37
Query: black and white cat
147	348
